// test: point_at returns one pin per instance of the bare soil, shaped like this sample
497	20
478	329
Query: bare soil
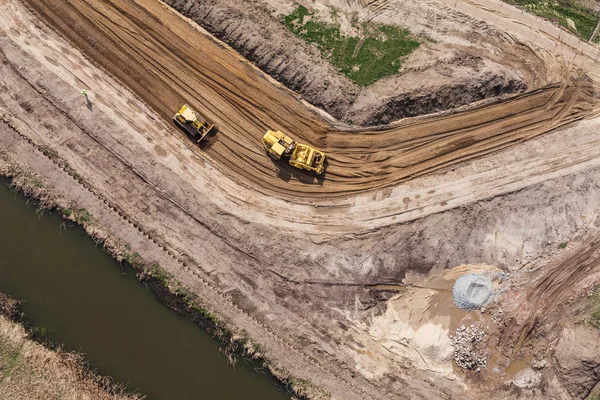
470	62
343	282
410	149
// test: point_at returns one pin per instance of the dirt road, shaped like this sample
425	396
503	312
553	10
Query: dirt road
168	62
298	275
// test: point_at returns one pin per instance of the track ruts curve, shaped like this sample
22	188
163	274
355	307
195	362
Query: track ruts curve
167	62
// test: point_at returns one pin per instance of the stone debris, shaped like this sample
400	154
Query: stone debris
467	350
502	276
527	378
538	364
472	292
498	316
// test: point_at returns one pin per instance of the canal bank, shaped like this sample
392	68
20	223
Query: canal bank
77	295
29	370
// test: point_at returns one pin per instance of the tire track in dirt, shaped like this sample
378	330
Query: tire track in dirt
549	301
211	291
167	62
558	104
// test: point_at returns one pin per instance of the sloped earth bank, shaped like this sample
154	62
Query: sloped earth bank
467	60
347	293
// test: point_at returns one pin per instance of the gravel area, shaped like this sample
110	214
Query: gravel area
468	353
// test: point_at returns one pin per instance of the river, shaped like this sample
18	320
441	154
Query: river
76	295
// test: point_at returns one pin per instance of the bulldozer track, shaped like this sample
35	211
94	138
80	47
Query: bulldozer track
210	288
167	62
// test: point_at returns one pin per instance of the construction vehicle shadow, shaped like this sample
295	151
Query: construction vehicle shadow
208	141
286	173
205	143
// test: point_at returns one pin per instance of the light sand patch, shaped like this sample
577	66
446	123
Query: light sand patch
417	322
426	346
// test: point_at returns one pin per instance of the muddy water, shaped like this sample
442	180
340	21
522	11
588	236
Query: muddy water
518	365
76	295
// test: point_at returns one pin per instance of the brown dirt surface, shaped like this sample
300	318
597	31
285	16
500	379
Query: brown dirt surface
466	63
321	274
167	73
578	355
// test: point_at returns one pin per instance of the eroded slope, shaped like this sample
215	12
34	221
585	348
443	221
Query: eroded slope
460	60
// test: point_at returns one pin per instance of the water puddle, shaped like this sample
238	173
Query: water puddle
518	365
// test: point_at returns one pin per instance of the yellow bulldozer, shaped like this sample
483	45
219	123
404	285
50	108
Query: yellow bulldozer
301	156
187	119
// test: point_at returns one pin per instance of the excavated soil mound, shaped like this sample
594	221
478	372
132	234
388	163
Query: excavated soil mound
437	77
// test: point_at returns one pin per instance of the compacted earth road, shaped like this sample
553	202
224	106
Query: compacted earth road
341	283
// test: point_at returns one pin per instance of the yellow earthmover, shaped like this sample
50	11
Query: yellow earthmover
302	156
187	119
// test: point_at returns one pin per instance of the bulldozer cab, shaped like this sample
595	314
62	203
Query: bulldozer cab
187	119
278	144
186	114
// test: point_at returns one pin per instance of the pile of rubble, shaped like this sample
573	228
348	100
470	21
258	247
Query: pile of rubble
468	353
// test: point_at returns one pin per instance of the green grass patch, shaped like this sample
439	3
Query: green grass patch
83	216
563	245
306	388
79	215
188	299
595	395
47	151
594	314
132	258
10	357
159	274
34	182
595	319
377	54
567	13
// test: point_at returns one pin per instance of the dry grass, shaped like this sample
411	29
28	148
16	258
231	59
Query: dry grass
27	181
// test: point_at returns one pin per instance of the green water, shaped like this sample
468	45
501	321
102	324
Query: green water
77	296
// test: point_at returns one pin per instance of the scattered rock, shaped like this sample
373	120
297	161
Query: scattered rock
538	364
468	348
527	378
